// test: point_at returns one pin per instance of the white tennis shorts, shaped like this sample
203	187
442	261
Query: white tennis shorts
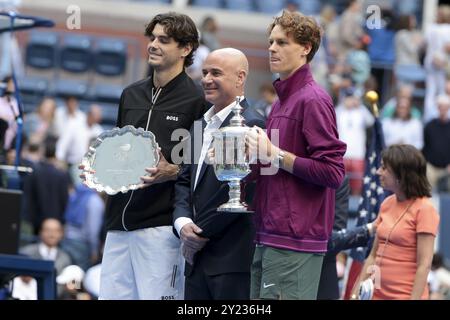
144	264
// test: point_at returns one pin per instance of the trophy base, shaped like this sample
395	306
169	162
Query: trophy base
234	208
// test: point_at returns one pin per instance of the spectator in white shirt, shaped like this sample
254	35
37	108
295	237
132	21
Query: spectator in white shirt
403	128
74	141
68	115
353	118
436	60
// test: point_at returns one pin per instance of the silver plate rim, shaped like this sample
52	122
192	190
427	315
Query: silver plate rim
89	157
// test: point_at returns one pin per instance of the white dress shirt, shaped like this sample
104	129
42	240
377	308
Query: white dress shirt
47	253
74	141
213	122
352	124
403	131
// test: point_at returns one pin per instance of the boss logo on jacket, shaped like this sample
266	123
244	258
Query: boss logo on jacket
172	118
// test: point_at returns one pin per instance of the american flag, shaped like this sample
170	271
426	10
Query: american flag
372	196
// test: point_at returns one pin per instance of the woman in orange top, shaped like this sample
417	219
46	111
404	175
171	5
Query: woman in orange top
406	228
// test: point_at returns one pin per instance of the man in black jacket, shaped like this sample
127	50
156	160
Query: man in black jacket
328	284
341	239
218	246
46	189
142	257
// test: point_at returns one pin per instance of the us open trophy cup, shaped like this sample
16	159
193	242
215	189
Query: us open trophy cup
231	163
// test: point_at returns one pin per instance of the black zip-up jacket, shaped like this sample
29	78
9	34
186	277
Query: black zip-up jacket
179	104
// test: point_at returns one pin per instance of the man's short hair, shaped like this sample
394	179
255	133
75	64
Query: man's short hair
303	29
50	146
179	27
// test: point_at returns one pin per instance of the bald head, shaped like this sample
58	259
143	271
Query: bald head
443	103
224	75
234	56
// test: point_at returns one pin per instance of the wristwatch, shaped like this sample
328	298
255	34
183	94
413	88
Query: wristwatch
278	160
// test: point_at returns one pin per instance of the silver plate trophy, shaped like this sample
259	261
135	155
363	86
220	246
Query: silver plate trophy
118	158
230	160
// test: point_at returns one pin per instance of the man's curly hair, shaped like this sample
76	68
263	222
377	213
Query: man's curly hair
303	29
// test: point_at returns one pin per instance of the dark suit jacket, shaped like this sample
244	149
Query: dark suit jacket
328	284
230	247
46	192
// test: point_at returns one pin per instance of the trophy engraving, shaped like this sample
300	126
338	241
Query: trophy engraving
231	162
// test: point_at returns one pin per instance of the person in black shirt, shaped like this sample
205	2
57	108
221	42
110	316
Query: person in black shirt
142	256
436	141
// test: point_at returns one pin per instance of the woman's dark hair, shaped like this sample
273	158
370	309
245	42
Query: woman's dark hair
389	18
403	22
410	167
179	27
50	146
437	261
7	79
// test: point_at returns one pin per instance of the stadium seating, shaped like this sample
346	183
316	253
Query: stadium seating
41	50
110	57
208	3
239	5
270	6
75	54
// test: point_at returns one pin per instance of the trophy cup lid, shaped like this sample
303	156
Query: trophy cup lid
237	120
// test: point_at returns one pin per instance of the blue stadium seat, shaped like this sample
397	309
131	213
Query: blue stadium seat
309	7
270	6
208	3
107	93
65	88
33	85
76	54
32	90
41	50
109	114
407	6
410	73
110	57
239	5
155	1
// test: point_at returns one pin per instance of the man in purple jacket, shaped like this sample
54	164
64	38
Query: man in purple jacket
295	203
